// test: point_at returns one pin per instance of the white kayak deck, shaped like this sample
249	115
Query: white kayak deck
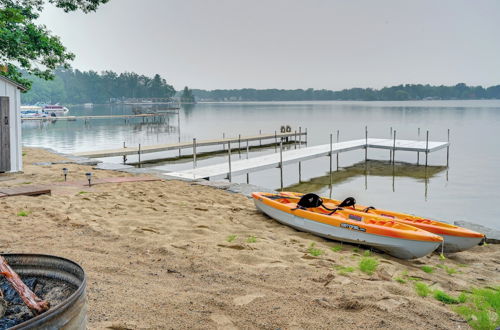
297	155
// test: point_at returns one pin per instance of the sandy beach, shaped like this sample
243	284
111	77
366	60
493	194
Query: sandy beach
176	255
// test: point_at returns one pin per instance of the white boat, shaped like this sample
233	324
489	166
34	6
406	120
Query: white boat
55	108
33	112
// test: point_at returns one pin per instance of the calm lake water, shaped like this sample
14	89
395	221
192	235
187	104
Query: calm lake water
467	190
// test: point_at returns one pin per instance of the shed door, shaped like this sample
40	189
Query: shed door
4	135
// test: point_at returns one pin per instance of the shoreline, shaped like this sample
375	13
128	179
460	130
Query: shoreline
173	254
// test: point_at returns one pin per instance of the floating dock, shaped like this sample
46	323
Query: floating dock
235	141
281	158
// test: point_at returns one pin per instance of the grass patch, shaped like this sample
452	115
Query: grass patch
450	270
23	213
427	269
27	182
355	250
441	256
313	251
368	265
422	289
483	309
252	239
400	280
231	238
445	298
24	154
336	248
343	270
83	192
367	253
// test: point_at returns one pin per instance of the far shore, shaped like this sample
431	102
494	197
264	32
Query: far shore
177	255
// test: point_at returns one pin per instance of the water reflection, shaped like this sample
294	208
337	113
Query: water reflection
364	169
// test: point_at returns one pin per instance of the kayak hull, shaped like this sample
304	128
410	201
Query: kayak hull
457	243
397	247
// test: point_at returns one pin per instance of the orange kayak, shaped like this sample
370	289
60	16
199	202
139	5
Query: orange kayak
455	238
396	238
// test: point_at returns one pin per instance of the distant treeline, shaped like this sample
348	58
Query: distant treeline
394	93
76	87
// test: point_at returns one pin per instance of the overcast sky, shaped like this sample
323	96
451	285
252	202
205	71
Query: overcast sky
288	44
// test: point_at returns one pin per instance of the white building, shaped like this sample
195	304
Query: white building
11	156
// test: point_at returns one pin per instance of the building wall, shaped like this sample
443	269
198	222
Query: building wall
16	156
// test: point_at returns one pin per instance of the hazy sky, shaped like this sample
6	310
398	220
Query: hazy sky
289	43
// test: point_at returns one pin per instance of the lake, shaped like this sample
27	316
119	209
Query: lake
466	190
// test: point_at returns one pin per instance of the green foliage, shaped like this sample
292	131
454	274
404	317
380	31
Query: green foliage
313	251
482	310
30	46
345	270
441	256
367	253
187	96
400	280
400	92
450	270
422	289
368	265
23	213
252	239
336	248
427	269
356	250
445	298
231	238
77	87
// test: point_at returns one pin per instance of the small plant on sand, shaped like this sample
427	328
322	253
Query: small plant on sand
252	239
27	182
345	270
427	269
367	253
83	192
24	154
450	270
483	308
441	256
368	265
400	280
23	213
422	289
356	250
231	238
336	248
445	298
313	251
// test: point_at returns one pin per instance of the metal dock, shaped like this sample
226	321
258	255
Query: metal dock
239	141
72	118
281	158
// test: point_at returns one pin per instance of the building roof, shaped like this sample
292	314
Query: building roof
10	81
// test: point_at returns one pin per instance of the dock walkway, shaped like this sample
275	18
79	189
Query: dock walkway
236	141
297	155
144	115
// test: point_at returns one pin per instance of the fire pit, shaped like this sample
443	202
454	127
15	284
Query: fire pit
59	281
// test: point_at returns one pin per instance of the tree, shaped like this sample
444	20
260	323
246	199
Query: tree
187	96
27	45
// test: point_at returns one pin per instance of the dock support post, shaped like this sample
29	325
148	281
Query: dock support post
229	175
300	172
124	156
275	141
194	152
139	154
300	136
295	140
418	153
248	152
179	129
338	137
394	148
390	151
239	143
366	143
448	150
331	160
306	138
426	147
260	137
223	144
281	164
